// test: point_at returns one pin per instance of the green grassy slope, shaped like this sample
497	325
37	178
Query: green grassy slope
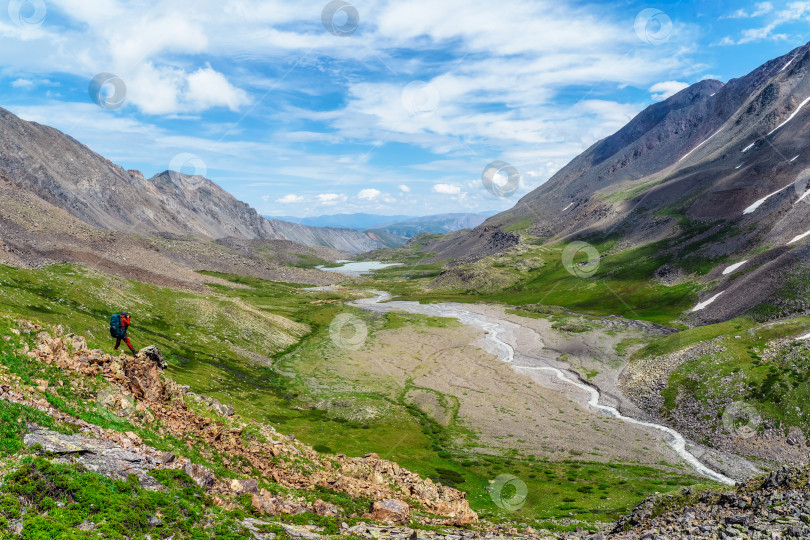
761	365
622	285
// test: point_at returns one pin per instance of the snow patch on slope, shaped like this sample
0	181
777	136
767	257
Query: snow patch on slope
701	144
800	237
705	303
799	108
751	209
733	267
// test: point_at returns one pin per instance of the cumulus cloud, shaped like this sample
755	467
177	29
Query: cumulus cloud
447	189
404	189
369	194
207	88
666	89
291	199
331	199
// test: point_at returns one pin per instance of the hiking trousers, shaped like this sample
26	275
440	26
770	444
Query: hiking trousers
126	340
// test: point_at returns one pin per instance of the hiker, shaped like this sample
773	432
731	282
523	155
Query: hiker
119	324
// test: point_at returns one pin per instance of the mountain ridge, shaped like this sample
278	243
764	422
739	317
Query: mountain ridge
402	226
67	174
714	157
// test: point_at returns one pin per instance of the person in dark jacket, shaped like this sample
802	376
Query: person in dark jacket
125	322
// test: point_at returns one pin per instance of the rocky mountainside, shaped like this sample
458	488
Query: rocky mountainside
64	173
34	232
719	167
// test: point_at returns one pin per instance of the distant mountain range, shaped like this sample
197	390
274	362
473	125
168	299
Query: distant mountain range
402	226
360	222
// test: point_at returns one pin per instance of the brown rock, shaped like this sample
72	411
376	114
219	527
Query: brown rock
323	508
201	476
390	511
241	487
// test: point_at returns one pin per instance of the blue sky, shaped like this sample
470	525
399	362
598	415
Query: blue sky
391	106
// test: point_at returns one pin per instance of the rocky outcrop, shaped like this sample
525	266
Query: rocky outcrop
774	506
153	353
438	499
140	391
98	455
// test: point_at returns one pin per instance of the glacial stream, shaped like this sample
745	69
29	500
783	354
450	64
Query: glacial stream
498	335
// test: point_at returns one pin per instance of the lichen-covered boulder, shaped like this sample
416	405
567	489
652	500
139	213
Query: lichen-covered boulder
153	353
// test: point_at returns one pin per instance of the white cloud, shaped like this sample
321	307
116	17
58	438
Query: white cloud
404	189
331	199
793	12
663	90
369	194
762	8
207	88
22	83
291	199
447	189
